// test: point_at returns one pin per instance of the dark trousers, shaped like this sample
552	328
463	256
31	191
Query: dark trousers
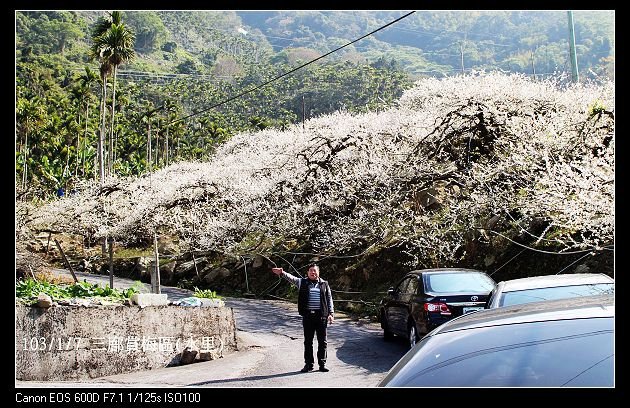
313	323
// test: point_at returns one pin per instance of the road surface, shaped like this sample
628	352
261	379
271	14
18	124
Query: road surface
270	342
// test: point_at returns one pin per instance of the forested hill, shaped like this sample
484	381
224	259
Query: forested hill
432	42
427	43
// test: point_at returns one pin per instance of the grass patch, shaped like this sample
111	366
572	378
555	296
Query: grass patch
126	253
50	277
27	291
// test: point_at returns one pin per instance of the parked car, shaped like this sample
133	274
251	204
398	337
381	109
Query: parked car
553	343
537	288
424	299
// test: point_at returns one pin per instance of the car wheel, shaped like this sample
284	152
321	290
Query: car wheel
387	334
413	334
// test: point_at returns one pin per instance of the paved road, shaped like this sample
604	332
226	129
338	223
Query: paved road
270	352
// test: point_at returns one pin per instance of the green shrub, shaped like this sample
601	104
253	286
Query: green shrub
206	293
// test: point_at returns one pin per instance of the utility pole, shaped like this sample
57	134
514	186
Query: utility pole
574	68
533	68
303	112
110	242
461	50
155	276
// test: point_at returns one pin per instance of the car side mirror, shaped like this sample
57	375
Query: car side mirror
390	291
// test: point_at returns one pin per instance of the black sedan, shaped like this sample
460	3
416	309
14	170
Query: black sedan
552	343
424	299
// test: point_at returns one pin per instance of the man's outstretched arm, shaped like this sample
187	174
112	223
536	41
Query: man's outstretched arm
286	275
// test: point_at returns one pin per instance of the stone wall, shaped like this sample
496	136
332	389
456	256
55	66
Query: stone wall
73	343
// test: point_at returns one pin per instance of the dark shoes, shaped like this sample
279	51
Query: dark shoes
309	367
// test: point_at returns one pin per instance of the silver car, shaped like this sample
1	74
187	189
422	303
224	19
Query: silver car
553	343
539	288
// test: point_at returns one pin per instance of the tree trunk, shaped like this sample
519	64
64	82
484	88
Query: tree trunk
87	120
76	164
110	166
177	147
66	170
25	171
149	145
166	147
101	137
157	144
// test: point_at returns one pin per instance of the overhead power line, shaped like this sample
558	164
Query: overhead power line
289	72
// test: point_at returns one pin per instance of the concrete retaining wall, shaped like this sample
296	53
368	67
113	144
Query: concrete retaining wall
72	343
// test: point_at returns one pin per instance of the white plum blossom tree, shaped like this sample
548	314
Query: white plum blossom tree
481	156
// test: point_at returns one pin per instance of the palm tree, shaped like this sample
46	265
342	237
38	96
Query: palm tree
169	109
30	115
97	53
113	45
147	117
79	95
118	43
83	93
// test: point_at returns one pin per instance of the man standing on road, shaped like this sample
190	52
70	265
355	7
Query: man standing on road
315	305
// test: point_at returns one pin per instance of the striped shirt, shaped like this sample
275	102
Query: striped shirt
313	296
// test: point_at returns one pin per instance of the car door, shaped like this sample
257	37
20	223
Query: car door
409	299
417	311
397	309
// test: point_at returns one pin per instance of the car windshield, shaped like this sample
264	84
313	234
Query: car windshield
458	282
561	292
